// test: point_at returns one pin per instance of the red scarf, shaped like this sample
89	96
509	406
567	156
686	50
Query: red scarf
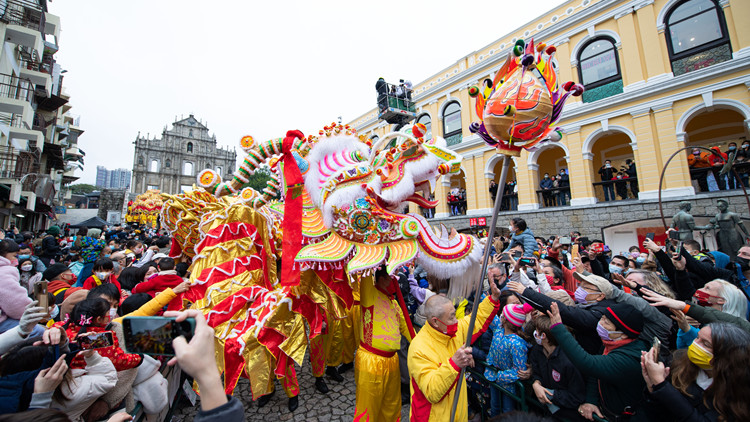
610	345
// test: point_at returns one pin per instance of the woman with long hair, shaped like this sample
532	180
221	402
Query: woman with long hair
709	380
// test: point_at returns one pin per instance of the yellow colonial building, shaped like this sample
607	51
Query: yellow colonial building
659	75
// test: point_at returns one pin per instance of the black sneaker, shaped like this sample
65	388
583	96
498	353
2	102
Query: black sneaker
293	403
263	400
345	367
320	385
332	372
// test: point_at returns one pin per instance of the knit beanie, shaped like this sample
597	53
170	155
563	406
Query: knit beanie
53	271
626	318
54	230
516	314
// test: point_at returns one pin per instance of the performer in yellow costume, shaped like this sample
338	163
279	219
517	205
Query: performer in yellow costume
376	370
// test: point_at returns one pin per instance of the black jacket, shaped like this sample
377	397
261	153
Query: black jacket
666	404
555	372
50	248
581	318
606	173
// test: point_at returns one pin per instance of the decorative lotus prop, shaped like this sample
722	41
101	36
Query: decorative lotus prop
520	106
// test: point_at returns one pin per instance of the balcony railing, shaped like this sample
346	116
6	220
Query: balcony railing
616	190
553	197
25	13
16	88
12	120
708	179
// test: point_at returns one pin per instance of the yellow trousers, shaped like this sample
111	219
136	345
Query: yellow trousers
378	387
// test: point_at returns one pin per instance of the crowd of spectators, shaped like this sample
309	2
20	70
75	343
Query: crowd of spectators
655	333
707	168
93	279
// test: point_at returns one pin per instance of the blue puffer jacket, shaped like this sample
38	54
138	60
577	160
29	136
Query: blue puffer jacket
525	238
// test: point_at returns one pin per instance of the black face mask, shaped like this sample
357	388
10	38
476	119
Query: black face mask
744	263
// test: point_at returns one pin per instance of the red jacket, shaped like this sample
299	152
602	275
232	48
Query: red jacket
119	358
94	281
158	284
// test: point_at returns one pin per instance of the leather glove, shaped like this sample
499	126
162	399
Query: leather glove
31	316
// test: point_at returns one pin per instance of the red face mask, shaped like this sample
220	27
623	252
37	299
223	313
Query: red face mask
701	298
450	330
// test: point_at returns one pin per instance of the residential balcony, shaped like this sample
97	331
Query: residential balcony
16	95
39	73
19	132
52	25
26	21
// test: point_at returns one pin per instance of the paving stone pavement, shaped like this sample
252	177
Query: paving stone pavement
337	405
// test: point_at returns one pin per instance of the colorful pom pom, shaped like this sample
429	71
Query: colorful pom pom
473	91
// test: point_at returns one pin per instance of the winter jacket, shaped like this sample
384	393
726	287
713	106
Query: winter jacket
525	238
160	282
13	297
582	318
432	371
614	380
90	383
546	183
656	324
666	403
232	411
556	372
50	248
9	339
706	315
94	281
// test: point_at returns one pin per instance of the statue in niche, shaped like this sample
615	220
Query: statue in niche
727	223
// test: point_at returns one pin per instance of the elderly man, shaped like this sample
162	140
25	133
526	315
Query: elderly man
437	355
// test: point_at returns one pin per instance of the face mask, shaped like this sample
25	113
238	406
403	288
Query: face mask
580	295
55	312
71	279
732	148
112	313
635	254
745	146
450	330
511	229
614	269
608	165
24	256
744	263
701	298
102	276
546	176
106	255
640	260
699	356
26	267
604	333
537	338
696	153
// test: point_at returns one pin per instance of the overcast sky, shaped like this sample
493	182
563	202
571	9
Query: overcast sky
252	67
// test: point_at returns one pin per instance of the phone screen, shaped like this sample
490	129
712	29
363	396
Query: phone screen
574	253
657	347
154	335
40	293
565	240
650	236
95	340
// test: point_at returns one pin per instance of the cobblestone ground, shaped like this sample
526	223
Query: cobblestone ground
337	405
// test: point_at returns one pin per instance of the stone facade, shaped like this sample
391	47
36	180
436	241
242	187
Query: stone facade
591	220
172	162
111	200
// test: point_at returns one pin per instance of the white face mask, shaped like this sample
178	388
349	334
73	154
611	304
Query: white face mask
112	313
537	337
55	312
26	267
102	276
511	229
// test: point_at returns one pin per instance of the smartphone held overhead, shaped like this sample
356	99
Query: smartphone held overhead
154	335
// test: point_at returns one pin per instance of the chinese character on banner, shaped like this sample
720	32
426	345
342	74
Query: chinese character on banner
472	221
482	221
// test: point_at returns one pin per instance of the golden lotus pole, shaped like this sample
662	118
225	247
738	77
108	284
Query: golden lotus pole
485	263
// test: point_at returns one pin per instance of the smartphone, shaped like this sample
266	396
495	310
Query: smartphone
154	335
517	254
674	235
575	253
650	236
679	248
530	262
505	256
597	247
40	293
565	240
657	347
95	340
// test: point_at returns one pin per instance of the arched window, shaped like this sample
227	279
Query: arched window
208	166
154	167
168	163
140	160
427	122
452	123
187	168
697	35
598	63
219	170
189	147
